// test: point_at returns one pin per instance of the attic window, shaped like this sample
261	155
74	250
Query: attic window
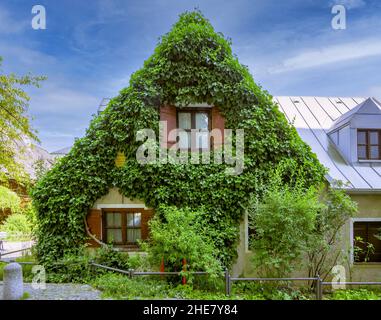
369	144
196	126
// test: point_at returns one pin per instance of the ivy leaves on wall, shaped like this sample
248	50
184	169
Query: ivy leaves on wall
191	64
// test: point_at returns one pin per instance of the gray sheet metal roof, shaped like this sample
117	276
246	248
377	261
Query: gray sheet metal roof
313	118
369	106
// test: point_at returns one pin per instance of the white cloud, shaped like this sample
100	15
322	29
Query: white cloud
26	58
375	91
63	101
349	4
8	24
329	55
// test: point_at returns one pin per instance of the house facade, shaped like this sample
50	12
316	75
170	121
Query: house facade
122	221
344	133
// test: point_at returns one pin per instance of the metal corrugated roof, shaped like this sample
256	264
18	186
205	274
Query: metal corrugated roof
313	118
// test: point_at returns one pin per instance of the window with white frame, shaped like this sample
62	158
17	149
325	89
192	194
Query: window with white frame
366	237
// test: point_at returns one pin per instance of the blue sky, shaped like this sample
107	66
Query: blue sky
90	48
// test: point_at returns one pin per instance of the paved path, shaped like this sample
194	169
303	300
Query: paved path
60	292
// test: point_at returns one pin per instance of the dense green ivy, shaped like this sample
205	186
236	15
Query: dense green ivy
191	64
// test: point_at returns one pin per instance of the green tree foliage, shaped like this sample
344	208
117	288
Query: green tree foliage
9	200
18	227
282	221
324	244
14	124
191	64
182	235
292	221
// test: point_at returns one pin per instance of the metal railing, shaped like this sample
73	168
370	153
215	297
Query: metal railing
229	280
131	272
318	282
15	251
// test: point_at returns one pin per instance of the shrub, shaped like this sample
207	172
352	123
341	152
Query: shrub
18	227
77	268
324	250
179	235
139	262
9	203
281	221
111	258
73	268
9	199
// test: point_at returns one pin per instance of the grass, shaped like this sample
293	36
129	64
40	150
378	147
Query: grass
120	287
356	294
25	296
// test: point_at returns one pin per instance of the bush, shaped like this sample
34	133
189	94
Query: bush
9	199
18	227
9	203
109	257
139	262
71	268
323	249
282	221
178	235
77	268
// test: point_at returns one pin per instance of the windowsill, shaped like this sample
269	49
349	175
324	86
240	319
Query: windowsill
365	161
125	248
366	264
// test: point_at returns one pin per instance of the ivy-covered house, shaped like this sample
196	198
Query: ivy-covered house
99	192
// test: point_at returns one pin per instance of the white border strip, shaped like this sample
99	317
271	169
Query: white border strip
120	206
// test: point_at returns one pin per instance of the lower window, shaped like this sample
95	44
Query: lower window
122	226
366	242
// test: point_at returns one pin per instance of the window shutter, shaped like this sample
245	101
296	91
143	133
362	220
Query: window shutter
218	122
168	114
146	216
94	221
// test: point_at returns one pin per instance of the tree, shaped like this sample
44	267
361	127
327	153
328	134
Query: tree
14	123
281	220
324	243
291	222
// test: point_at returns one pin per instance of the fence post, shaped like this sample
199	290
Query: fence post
319	288
130	273
184	280
227	282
